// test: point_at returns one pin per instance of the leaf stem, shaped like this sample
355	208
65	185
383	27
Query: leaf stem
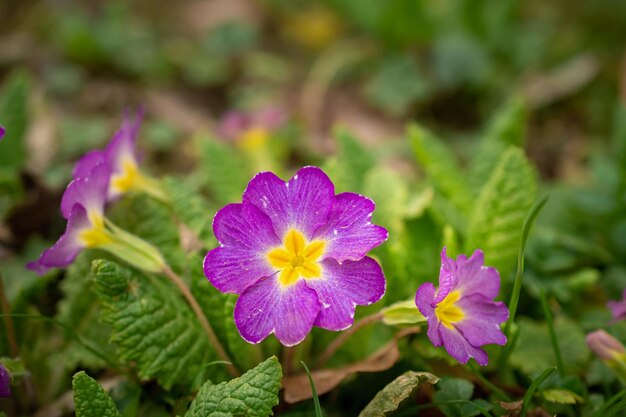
8	322
343	337
206	326
517	286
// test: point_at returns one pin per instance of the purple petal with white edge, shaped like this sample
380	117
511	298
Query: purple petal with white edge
344	286
65	250
481	321
303	203
349	233
88	162
460	348
5	379
90	192
424	299
122	145
267	307
245	235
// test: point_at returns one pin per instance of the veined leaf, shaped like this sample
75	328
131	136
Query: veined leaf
223	170
507	128
90	399
441	167
496	222
152	326
253	394
401	388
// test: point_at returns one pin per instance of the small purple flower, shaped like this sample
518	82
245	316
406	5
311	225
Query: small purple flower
5	382
2	131
120	155
295	252
605	346
250	129
461	313
618	308
83	206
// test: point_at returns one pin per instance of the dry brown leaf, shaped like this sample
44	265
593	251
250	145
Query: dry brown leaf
297	387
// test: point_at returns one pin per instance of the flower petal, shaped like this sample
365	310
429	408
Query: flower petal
122	145
90	192
618	308
459	348
65	250
349	232
246	236
344	286
481	324
267	307
303	203
469	276
88	162
424	300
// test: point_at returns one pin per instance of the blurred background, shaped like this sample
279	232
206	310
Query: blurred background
69	69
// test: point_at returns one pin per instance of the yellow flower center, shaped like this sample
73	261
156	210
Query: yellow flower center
128	178
297	258
96	236
447	312
253	139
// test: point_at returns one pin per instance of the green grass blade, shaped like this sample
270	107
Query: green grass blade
316	400
533	387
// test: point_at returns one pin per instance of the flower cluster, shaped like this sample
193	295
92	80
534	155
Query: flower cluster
461	313
296	254
101	176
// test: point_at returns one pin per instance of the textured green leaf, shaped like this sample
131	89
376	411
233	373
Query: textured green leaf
401	388
223	170
390	193
190	208
498	215
402	312
253	394
454	389
353	161
561	396
508	127
533	352
14	117
90	399
152	326
441	167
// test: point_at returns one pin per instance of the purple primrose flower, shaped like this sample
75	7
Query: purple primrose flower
461	313
83	206
250	129
122	157
618	308
295	252
2	131
5	382
605	346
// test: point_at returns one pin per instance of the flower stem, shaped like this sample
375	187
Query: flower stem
343	337
553	339
8	323
206	326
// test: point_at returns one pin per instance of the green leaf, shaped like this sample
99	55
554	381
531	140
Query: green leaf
253	394
507	128
441	166
498	215
223	170
389	191
152	326
401	388
14	117
353	161
192	209
90	399
453	389
533	352
561	396
402	312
